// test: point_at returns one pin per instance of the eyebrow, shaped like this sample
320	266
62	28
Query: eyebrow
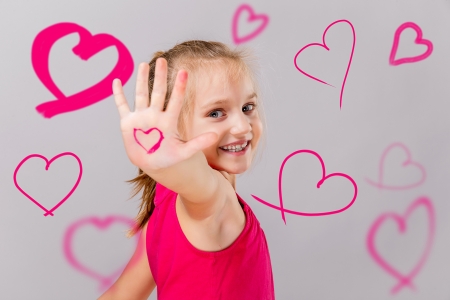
222	101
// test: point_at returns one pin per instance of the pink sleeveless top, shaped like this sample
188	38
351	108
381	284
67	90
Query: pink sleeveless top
183	272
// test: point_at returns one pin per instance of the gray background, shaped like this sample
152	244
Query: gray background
312	257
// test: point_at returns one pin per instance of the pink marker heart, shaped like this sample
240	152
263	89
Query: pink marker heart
319	183
324	45
48	163
105	281
155	146
407	163
403	280
252	18
88	46
419	41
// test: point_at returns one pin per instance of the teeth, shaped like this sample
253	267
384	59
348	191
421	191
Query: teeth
235	148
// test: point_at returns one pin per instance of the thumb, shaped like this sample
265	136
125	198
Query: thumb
201	142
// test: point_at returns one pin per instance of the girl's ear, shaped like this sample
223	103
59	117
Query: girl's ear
231	178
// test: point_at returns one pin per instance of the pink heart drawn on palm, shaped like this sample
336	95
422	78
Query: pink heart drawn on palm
88	46
408	162
419	41
324	45
154	147
105	281
403	280
252	18
319	183
48	163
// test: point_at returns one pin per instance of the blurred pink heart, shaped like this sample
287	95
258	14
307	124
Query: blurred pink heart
403	280
252	18
105	281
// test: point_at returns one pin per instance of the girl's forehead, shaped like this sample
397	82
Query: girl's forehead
221	81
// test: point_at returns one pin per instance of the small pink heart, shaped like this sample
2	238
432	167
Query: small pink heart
319	183
105	281
324	45
407	163
252	18
48	163
419	41
88	46
153	147
403	280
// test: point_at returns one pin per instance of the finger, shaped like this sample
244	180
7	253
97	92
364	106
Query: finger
159	85
119	97
177	97
199	143
142	87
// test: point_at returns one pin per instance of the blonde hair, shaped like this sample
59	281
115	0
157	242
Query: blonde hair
192	56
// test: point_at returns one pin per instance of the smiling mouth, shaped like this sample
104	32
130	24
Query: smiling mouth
236	149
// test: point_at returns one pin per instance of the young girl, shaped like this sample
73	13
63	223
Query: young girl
199	238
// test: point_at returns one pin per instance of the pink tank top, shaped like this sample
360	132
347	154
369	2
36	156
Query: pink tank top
183	272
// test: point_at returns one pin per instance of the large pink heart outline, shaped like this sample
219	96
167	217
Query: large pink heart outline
319	183
88	46
105	281
419	41
48	163
324	45
154	147
407	162
403	280
253	17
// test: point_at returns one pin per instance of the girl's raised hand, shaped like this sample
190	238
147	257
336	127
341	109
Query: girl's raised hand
150	134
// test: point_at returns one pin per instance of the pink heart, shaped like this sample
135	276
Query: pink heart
407	162
403	280
252	18
319	183
48	163
418	41
155	146
105	281
324	45
88	46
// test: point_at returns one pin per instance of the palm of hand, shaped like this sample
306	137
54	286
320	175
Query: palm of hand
150	134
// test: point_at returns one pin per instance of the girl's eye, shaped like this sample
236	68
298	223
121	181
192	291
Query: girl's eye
214	113
251	105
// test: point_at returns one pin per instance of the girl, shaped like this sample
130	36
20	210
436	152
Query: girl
199	238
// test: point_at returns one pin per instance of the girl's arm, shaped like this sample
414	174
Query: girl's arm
136	281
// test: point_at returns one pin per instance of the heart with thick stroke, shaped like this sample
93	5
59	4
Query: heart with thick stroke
88	46
418	41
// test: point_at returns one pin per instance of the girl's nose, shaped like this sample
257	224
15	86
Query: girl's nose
241	125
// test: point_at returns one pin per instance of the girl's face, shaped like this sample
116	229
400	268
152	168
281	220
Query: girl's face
227	108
